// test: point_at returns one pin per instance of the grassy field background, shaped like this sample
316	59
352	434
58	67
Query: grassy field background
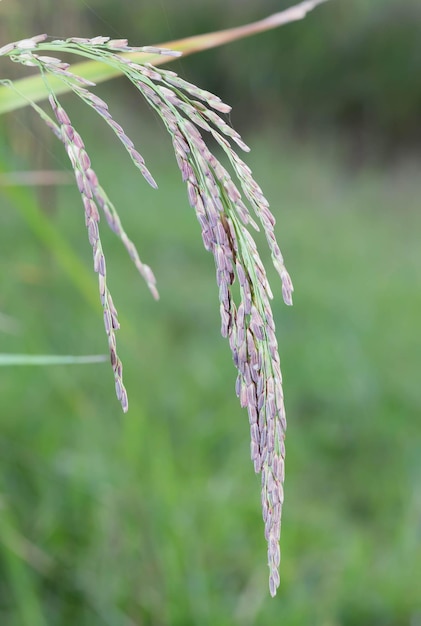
153	518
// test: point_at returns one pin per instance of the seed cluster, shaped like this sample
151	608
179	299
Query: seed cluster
88	184
224	211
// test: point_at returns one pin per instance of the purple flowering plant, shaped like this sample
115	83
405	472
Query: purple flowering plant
228	203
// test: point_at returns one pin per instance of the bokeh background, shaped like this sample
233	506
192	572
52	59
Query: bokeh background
153	518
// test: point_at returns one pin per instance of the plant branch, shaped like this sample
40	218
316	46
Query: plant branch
34	89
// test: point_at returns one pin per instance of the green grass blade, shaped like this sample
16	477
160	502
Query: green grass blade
50	359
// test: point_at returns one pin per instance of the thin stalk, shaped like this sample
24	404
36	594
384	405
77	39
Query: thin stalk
49	359
33	88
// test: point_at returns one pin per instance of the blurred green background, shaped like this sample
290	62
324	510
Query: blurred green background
153	518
